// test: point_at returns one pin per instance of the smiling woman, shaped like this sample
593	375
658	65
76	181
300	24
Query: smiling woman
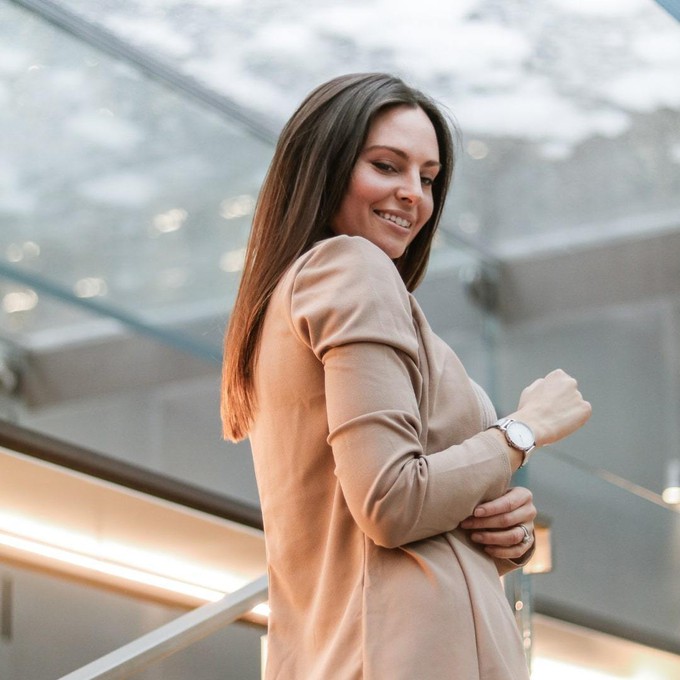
382	471
389	197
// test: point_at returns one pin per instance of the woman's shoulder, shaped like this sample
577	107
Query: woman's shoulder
353	262
352	250
346	288
344	243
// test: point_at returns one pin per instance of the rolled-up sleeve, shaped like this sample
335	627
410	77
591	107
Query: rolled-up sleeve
350	307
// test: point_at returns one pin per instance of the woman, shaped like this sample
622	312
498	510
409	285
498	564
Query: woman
384	483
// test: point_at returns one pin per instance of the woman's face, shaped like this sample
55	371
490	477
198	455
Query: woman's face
389	197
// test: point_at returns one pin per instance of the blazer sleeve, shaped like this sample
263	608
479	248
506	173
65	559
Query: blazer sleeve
350	306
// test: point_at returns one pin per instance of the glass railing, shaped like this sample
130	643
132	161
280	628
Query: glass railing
615	553
614	563
176	636
116	190
571	125
74	624
116	553
100	560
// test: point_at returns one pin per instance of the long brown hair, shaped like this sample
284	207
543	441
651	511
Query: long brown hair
303	189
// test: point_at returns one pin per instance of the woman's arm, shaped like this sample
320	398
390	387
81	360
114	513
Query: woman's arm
349	305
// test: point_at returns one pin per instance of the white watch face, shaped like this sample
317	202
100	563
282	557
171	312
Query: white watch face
521	435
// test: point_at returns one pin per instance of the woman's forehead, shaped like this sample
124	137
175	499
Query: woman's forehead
406	128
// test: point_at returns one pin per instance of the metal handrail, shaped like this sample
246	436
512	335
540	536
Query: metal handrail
174	636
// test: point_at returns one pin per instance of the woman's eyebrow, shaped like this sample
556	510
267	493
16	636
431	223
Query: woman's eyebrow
401	153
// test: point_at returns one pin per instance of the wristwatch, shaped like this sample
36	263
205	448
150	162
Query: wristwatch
519	435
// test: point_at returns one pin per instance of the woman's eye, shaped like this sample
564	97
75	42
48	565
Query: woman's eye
427	181
384	167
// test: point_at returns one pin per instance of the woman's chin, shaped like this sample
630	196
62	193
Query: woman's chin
393	248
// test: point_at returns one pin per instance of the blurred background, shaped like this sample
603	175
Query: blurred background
134	135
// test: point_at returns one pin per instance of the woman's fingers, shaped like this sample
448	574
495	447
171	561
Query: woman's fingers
512	508
514	552
509	544
504	527
507	520
507	537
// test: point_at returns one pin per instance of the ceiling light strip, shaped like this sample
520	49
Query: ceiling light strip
124	572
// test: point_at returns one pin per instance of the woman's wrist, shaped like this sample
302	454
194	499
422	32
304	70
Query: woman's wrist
515	457
540	435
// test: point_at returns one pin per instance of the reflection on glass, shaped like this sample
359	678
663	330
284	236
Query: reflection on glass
671	492
99	159
19	301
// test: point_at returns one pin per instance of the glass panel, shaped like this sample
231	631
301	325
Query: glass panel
49	613
615	556
570	110
169	426
116	189
627	361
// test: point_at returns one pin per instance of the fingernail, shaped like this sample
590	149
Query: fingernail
480	512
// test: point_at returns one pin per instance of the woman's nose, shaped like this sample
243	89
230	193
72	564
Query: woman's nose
410	191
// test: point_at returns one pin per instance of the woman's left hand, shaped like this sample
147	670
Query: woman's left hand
497	525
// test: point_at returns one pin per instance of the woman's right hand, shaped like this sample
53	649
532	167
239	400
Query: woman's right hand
553	407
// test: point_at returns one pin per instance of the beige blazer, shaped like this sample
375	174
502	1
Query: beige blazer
369	450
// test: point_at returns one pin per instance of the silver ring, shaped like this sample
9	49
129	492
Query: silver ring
527	535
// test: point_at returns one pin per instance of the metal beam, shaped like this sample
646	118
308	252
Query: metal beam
672	7
588	273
